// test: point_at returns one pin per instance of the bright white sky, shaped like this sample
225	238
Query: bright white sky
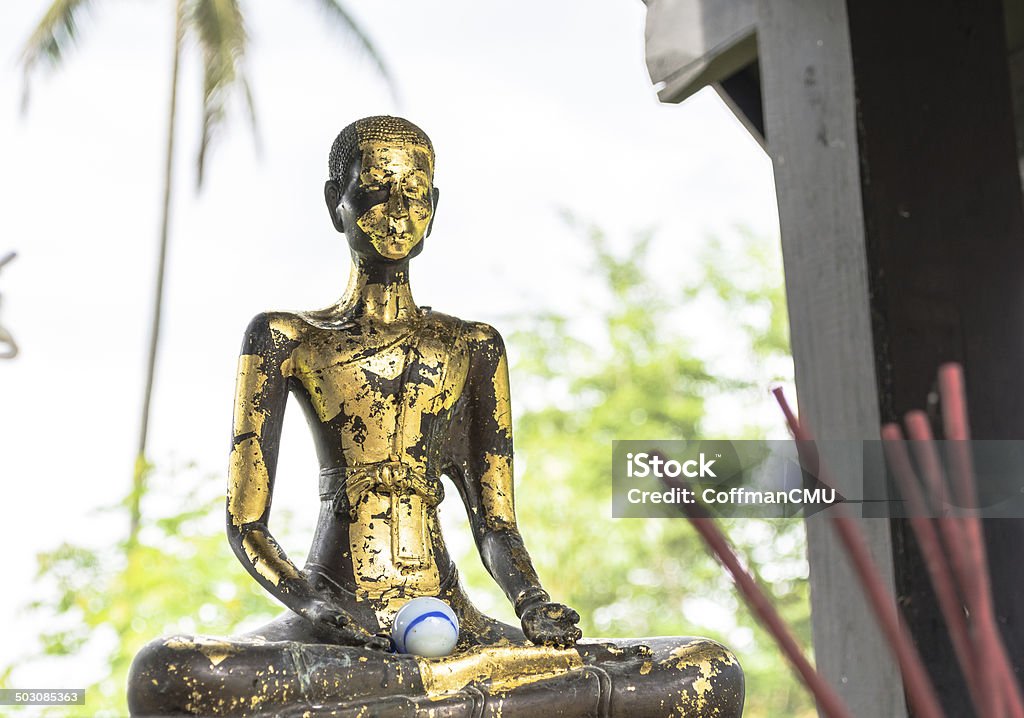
532	106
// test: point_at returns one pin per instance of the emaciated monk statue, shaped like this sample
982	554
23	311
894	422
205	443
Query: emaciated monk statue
397	395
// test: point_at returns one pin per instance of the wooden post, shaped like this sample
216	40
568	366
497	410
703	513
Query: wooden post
811	132
944	231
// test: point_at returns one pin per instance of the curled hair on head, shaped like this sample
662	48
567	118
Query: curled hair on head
379	127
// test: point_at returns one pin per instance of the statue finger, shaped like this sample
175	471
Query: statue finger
379	643
357	638
341	633
332	634
567	637
555	637
562	642
332	620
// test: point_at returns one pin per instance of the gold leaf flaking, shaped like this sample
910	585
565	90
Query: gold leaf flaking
248	483
505	667
265	558
496	492
249	417
502	400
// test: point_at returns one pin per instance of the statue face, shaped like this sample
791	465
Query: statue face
391	199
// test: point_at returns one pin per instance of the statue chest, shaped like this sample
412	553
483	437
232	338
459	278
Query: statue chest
386	395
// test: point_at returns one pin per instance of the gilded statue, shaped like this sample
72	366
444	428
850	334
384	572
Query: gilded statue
397	395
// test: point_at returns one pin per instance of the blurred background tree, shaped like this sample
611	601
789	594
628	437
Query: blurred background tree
637	373
642	375
178	576
218	29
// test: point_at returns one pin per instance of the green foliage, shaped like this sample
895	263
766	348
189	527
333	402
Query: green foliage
49	42
642	377
180	576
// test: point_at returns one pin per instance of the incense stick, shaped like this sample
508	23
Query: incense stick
920	692
938	569
828	700
955	426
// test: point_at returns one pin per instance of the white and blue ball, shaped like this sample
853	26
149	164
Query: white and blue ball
425	627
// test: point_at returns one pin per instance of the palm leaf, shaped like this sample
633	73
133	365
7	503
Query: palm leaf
220	31
337	12
250	106
56	32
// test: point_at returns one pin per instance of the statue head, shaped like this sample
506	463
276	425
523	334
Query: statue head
380	191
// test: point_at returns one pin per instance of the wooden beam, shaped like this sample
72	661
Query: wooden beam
694	43
811	131
741	91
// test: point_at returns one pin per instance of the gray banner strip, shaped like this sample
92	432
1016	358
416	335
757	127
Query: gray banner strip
783	479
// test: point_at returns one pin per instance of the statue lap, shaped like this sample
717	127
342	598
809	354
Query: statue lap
282	669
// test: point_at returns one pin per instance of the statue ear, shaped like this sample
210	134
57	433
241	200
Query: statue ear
332	194
436	193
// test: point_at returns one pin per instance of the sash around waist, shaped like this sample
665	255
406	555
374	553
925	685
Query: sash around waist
346	486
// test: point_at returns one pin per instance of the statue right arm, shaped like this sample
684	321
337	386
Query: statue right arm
260	395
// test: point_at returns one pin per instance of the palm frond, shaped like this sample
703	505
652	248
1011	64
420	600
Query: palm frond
337	12
222	38
56	32
250	105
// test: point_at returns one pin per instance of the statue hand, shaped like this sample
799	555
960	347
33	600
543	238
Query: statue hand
551	624
336	625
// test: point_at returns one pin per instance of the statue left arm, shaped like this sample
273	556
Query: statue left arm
481	466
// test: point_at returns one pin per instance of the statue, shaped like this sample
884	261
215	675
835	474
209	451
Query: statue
397	395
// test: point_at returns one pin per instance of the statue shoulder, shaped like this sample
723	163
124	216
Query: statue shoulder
481	333
273	331
474	334
479	340
482	337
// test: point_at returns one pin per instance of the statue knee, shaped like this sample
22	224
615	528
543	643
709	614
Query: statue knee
706	676
155	685
668	675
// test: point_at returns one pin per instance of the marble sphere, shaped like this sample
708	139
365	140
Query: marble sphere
425	627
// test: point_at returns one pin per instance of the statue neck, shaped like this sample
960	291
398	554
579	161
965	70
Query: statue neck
378	291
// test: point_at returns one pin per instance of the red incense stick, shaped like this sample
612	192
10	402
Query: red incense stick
938	569
920	692
955	426
955	539
828	700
